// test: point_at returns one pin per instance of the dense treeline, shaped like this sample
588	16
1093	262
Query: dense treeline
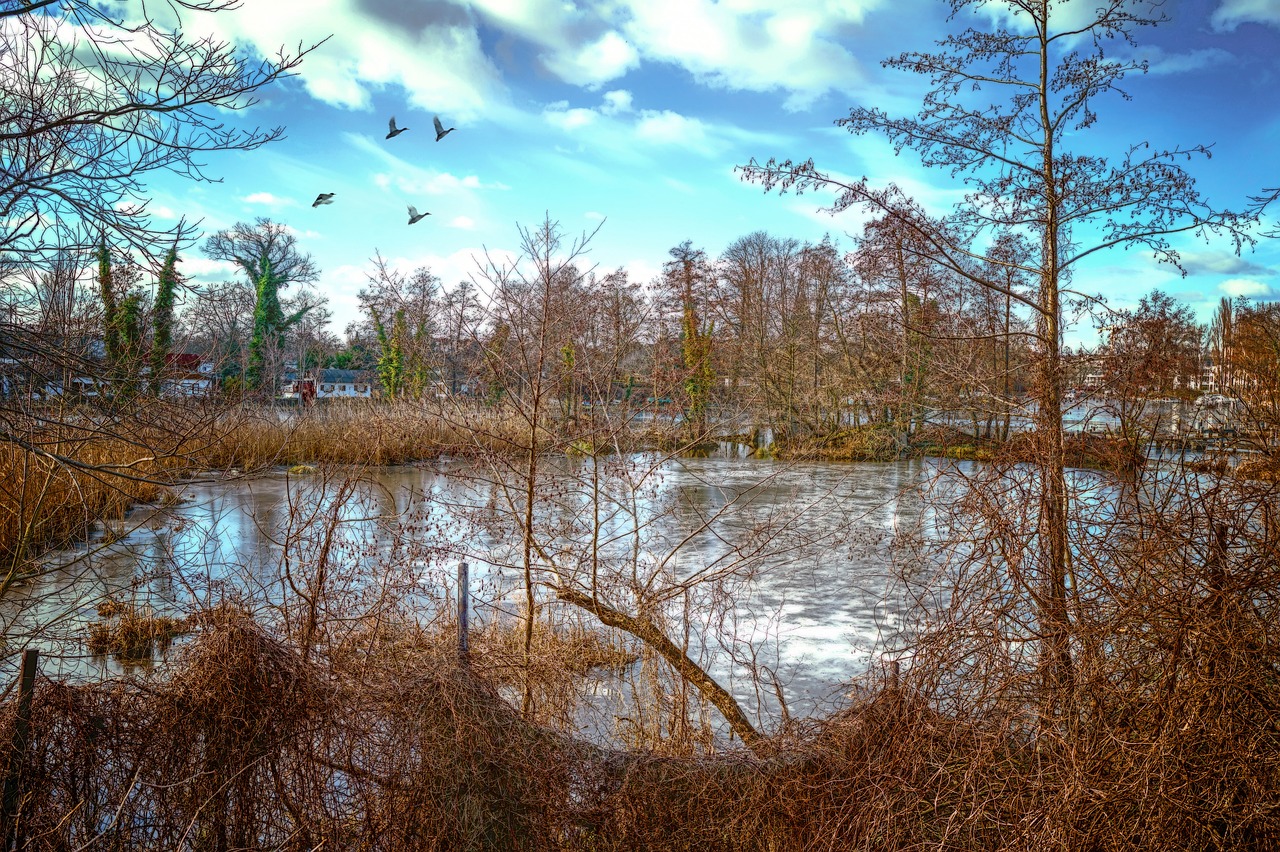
804	339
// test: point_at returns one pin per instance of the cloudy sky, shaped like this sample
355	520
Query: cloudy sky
634	113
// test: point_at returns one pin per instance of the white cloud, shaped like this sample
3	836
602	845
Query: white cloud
1250	288
755	45
641	271
593	216
433	52
616	101
605	59
266	198
559	115
465	223
204	269
1232	13
1160	62
413	179
1218	263
670	128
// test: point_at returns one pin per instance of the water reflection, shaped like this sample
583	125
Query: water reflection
793	563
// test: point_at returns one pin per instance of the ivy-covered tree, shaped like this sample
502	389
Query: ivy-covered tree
162	319
268	254
390	353
269	327
107	291
686	284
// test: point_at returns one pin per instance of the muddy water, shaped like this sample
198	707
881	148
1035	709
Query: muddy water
779	570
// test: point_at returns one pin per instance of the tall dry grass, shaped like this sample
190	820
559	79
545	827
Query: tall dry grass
75	468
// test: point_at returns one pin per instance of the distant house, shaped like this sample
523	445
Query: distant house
344	384
186	376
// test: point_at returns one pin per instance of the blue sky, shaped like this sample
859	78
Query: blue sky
635	112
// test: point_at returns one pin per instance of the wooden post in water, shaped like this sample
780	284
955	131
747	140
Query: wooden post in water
464	594
18	751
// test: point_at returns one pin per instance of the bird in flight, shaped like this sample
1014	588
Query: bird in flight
414	215
440	131
395	131
323	198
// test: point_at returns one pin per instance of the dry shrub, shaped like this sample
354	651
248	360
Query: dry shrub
557	652
245	746
1083	450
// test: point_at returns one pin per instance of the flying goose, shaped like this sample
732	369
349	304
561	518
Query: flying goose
323	198
440	131
414	215
395	131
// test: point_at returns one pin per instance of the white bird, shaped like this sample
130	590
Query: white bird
323	198
395	131
440	131
414	215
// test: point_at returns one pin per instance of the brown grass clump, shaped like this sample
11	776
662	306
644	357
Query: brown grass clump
866	443
1083	450
93	466
498	651
1258	469
132	634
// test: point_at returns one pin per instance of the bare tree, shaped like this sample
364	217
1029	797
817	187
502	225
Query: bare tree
96	100
1022	177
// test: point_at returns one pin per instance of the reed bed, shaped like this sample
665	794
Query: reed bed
356	433
85	466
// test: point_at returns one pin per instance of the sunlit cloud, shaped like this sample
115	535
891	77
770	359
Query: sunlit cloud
267	199
1164	62
200	268
766	45
1232	13
1219	263
1250	288
597	63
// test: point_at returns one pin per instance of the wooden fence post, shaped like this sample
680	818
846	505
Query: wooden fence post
464	595
18	747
